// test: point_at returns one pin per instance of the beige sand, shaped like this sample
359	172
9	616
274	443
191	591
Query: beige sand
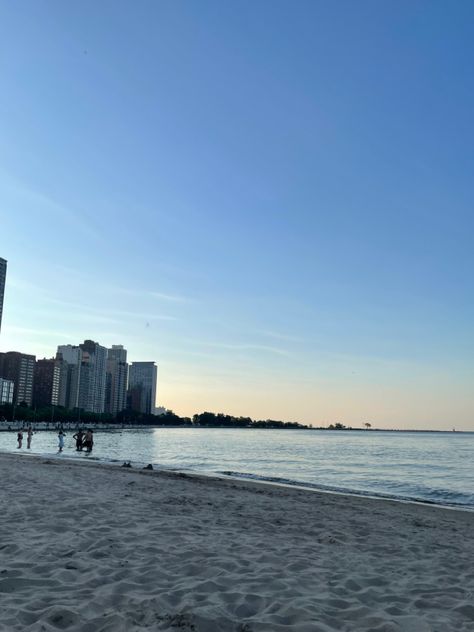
101	548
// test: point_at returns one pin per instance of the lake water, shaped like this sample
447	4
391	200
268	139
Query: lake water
429	467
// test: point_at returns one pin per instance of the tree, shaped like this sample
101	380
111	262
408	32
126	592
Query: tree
367	425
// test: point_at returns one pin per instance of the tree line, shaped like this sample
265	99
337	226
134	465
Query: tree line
59	414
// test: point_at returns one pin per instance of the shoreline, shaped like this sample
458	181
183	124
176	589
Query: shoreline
298	485
12	426
355	494
161	550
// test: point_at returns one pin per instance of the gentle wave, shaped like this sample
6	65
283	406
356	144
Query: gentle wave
439	497
434	468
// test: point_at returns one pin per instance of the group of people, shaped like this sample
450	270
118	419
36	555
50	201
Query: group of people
84	440
29	436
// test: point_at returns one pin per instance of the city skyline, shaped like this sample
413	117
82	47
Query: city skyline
311	421
274	205
86	377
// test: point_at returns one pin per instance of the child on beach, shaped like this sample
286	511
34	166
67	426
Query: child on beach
20	438
61	436
29	436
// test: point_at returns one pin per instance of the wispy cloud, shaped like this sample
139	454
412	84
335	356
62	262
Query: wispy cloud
162	296
100	289
77	311
40	333
145	316
168	297
279	336
243	347
44	203
105	315
20	284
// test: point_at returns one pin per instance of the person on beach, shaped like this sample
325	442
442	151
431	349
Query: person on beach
29	437
20	438
89	440
79	437
61	436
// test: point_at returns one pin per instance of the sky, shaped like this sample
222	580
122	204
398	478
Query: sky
270	199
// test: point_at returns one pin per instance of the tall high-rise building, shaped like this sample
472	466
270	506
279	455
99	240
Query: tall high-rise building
47	383
92	383
142	386
3	276
7	388
86	366
70	357
116	380
19	368
64	373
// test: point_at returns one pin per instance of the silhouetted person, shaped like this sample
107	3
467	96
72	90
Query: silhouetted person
29	437
20	438
89	441
79	437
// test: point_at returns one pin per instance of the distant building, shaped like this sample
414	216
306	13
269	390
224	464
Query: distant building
19	368
160	410
6	391
47	383
70	357
63	368
84	366
116	380
142	387
92	382
3	275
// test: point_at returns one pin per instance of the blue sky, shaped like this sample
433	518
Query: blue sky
273	200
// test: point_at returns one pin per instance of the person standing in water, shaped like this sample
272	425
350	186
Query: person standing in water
79	437
29	437
20	438
61	436
89	440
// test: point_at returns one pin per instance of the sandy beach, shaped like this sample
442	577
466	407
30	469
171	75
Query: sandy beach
89	547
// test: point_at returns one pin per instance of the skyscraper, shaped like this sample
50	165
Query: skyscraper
19	367
142	386
7	388
116	380
3	275
86	365
47	383
92	382
70	357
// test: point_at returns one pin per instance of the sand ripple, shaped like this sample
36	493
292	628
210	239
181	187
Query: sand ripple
91	548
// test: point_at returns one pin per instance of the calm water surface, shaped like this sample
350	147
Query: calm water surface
431	467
